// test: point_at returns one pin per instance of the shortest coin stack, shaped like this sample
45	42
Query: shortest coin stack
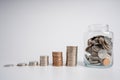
9	65
33	63
44	60
57	59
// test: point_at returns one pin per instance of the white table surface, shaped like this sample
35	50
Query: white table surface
59	73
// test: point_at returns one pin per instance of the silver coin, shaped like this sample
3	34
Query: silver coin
91	42
44	60
93	62
9	65
95	48
71	55
33	63
94	54
108	42
21	64
89	49
102	53
94	58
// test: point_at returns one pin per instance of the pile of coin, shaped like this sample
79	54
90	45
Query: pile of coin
99	50
22	64
44	60
33	63
9	65
71	56
57	59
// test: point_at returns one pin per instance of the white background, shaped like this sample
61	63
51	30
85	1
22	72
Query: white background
30	28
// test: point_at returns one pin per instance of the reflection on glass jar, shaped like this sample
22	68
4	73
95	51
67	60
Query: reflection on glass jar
98	46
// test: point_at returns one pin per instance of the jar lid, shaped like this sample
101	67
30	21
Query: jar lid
98	27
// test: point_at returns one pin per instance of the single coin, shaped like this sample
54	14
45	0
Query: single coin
106	62
89	49
95	48
9	65
57	59
94	58
102	54
94	54
93	62
21	64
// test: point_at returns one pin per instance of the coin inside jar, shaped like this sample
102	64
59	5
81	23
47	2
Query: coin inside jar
99	47
102	54
106	62
71	56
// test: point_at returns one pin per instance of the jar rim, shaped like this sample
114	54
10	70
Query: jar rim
98	27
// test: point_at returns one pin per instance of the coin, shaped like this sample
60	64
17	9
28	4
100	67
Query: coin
108	42
9	65
71	56
99	47
33	63
94	54
94	58
44	60
57	58
106	62
89	49
102	54
93	62
95	48
22	64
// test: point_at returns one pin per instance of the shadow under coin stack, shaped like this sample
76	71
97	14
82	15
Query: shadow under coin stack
57	59
44	60
71	56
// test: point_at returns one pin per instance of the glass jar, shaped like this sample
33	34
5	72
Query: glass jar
98	46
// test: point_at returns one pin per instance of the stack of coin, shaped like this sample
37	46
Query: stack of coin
9	65
22	64
99	50
33	63
44	60
57	58
71	56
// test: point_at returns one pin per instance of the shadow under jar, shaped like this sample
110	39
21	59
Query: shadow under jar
98	46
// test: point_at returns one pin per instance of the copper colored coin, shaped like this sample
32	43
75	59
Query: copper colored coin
56	53
57	58
106	62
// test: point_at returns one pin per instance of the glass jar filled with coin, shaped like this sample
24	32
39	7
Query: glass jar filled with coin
98	46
